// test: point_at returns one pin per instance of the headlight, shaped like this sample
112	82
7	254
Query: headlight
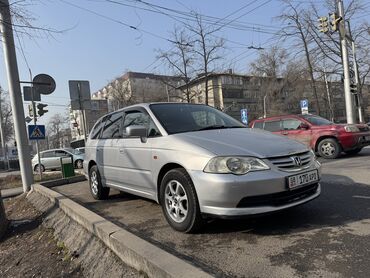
351	128
235	165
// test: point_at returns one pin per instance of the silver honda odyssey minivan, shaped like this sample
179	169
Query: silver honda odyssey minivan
197	162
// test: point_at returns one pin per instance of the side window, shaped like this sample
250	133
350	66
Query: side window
258	125
47	154
141	118
272	126
291	124
60	153
95	133
112	128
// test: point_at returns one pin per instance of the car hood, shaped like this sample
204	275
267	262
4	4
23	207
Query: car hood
243	141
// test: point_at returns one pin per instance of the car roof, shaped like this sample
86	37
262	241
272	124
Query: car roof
283	116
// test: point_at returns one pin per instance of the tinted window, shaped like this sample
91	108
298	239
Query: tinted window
61	153
258	125
272	126
95	133
47	154
143	119
112	128
291	124
177	118
316	120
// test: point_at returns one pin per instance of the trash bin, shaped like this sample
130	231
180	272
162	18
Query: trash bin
67	167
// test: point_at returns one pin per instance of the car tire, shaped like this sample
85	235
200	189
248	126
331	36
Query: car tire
179	201
36	168
355	151
79	164
98	191
329	148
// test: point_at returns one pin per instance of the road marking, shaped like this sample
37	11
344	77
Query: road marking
361	197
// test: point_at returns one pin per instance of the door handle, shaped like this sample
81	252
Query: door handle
122	151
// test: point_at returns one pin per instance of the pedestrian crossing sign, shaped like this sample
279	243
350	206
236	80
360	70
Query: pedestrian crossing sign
36	132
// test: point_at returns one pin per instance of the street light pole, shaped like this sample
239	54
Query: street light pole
347	79
15	95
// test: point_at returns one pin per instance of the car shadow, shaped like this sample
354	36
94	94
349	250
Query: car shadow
339	204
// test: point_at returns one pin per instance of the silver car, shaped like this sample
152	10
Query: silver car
197	162
50	159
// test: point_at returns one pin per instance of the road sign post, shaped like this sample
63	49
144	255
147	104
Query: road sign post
304	106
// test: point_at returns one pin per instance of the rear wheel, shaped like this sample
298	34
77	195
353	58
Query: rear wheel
79	164
329	148
179	201
355	151
96	188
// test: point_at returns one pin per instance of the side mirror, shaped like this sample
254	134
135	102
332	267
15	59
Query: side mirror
304	126
137	131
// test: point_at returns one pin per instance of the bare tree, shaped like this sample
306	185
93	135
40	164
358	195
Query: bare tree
120	93
297	30
56	125
180	59
269	63
207	47
6	115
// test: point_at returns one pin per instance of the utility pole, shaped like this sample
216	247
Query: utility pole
15	95
345	61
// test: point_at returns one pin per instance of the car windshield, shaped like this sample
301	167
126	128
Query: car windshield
316	120
178	118
73	151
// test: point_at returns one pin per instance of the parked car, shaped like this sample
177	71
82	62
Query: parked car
50	159
323	136
196	161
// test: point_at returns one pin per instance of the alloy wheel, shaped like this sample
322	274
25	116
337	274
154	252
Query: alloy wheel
176	201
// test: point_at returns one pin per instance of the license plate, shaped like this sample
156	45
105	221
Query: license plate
302	179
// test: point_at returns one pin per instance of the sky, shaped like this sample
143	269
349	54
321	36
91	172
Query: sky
99	45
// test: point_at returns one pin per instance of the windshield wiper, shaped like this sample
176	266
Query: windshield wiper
219	127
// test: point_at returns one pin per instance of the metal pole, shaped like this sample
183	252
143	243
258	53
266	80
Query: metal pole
82	112
5	153
15	95
347	80
264	106
35	122
329	97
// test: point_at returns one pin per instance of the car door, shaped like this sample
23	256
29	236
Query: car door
297	130
107	148
134	157
48	159
58	154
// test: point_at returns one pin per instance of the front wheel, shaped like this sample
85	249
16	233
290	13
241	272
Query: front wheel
329	148
96	188
179	201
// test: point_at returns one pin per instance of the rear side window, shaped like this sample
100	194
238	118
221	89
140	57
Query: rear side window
272	126
258	125
291	124
95	133
112	128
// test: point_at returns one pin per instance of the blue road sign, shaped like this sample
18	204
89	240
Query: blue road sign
244	116
304	103
36	132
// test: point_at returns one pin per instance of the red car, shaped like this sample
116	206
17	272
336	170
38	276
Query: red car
324	137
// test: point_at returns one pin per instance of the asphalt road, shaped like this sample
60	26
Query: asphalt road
328	237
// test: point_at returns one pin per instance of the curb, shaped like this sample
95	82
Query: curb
131	249
63	181
7	193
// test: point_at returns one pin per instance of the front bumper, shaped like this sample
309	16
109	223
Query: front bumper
225	195
350	141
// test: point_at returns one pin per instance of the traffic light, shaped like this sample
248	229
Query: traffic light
30	110
40	109
334	21
353	88
324	25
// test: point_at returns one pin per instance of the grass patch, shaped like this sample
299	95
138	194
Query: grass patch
13	181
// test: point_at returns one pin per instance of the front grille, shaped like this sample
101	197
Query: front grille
293	163
279	199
